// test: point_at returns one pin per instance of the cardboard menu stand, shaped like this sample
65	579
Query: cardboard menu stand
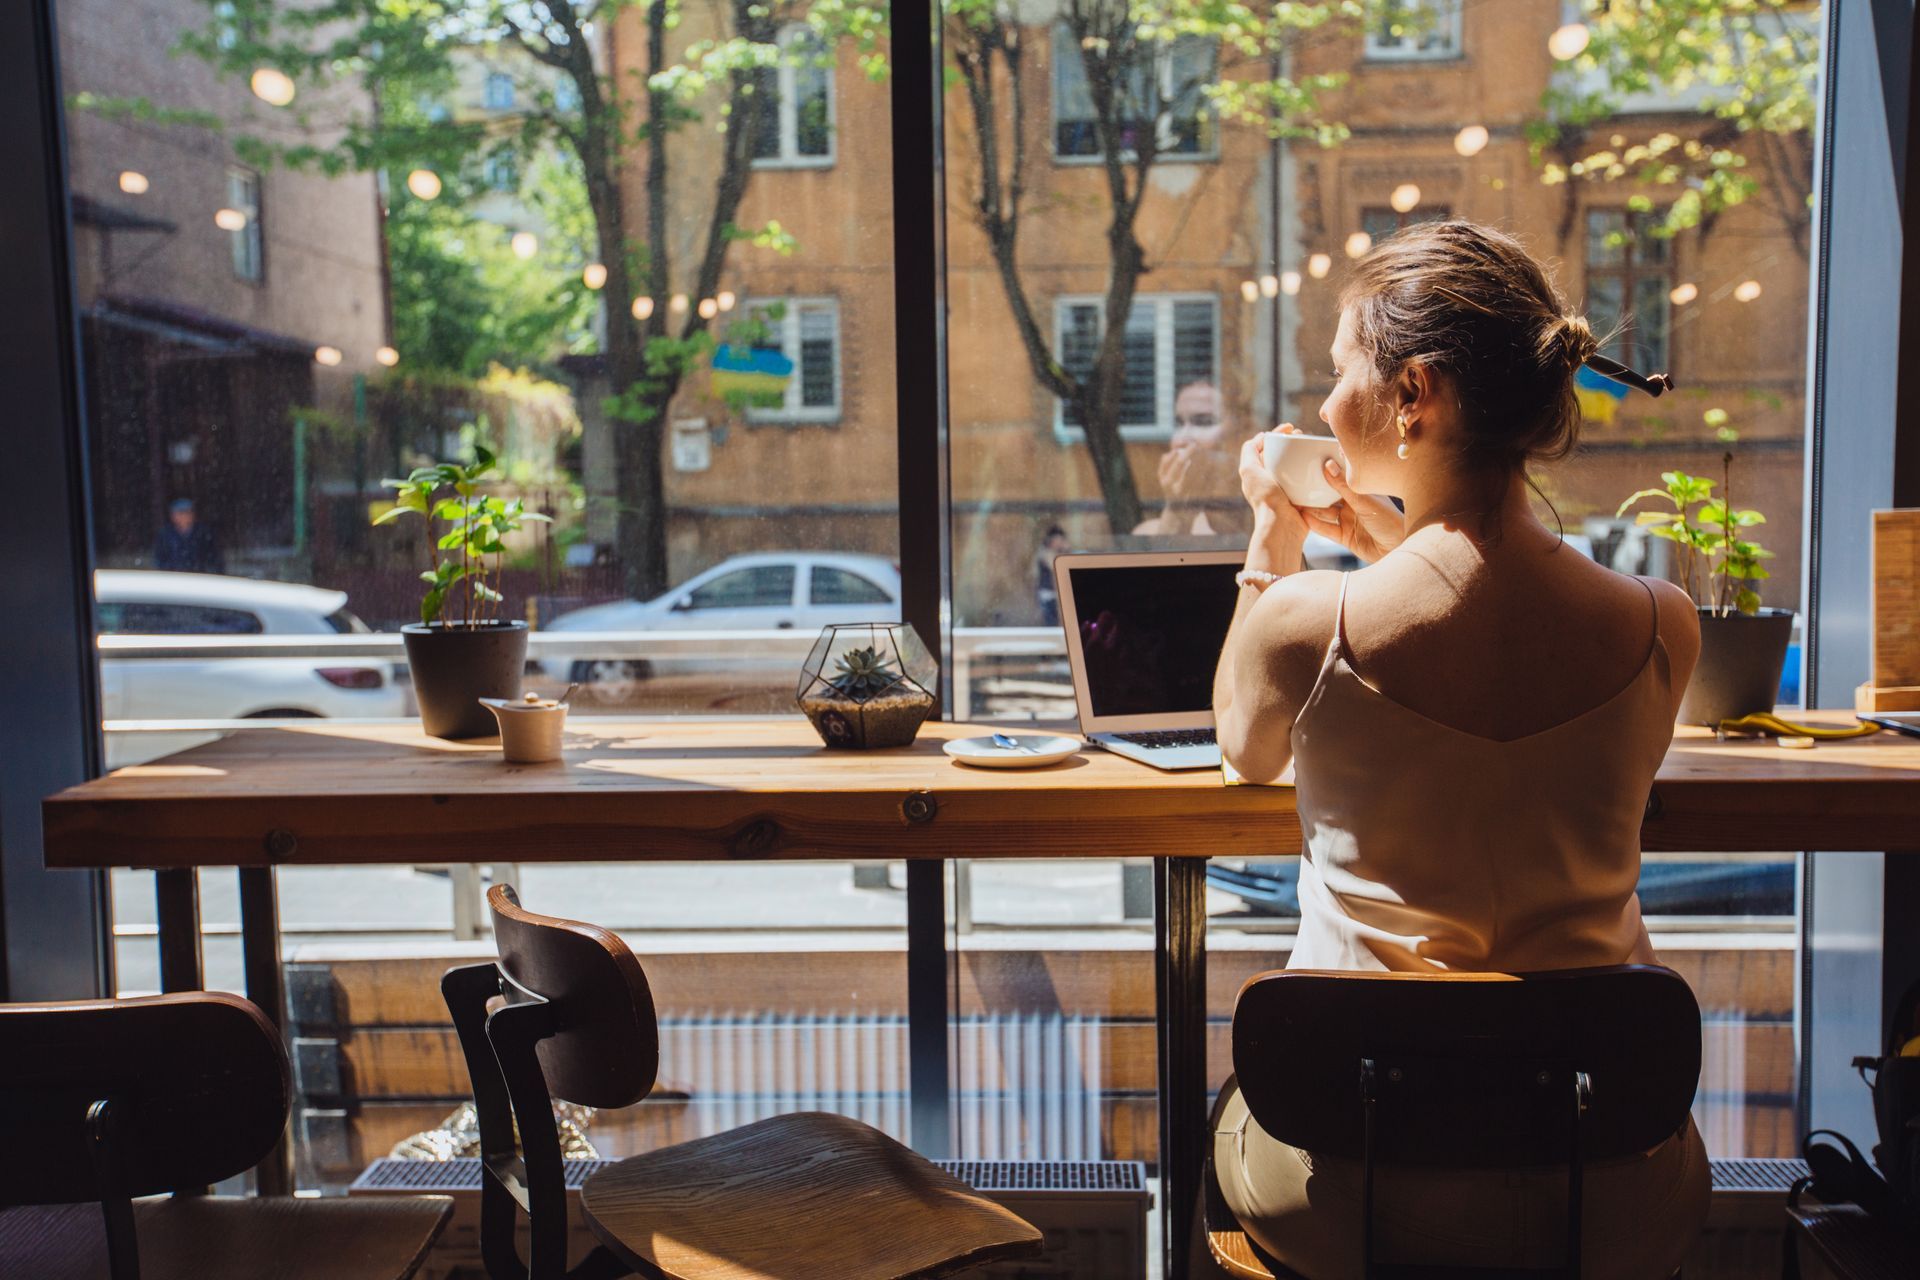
1895	685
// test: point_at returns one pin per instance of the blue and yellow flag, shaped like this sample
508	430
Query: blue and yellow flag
757	373
1599	396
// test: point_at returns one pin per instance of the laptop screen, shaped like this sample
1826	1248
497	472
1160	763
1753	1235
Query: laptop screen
1150	635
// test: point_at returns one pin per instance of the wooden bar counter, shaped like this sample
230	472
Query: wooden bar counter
319	793
628	790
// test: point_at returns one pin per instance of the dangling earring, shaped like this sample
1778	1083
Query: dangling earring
1402	452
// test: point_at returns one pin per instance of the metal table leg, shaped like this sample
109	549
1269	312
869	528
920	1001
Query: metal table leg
1180	983
260	953
176	896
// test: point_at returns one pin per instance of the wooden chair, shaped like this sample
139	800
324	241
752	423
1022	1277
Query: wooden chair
1467	1071
567	1014
106	1101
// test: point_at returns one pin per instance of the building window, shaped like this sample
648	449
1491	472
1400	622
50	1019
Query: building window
1412	30
1171	340
502	172
498	93
805	332
243	196
796	116
1629	275
1165	91
566	95
1379	221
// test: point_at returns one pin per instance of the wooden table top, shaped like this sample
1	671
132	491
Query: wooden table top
744	790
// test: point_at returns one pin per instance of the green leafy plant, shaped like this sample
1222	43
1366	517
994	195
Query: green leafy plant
477	527
1718	565
862	673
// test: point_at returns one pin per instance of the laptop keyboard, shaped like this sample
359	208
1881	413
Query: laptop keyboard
1158	738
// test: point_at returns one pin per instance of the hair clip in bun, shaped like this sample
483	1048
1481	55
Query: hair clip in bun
1651	383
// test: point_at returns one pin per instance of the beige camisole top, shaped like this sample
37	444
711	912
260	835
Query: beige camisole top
1431	849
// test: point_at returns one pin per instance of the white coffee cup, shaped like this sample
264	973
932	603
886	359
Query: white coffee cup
1298	465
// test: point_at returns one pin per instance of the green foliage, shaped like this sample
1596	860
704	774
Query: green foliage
1710	533
477	526
1750	67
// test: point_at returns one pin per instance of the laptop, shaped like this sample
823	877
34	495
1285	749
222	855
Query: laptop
1144	631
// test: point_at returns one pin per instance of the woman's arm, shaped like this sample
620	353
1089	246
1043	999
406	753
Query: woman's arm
1269	646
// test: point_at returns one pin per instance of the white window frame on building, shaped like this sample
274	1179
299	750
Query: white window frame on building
786	93
1630	346
1166	374
786	332
1069	81
246	243
1435	36
497	93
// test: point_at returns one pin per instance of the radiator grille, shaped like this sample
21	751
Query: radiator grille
1757	1175
428	1176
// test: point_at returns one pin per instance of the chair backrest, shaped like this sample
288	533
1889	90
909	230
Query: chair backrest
605	1051
197	1083
1470	1070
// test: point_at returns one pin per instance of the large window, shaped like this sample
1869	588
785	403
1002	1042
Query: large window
796	108
1171	342
1412	30
1160	88
1629	285
802	336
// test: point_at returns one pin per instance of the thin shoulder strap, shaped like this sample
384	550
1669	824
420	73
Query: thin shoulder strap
1653	641
1339	642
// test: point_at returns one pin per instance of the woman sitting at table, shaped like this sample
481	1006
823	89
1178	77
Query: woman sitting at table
1474	722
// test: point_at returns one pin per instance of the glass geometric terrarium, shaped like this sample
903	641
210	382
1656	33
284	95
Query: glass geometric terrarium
868	684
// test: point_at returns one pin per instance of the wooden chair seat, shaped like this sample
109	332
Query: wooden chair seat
217	1237
798	1196
1232	1248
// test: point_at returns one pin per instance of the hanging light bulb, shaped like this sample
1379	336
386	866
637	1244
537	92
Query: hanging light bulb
1746	291
229	219
642	308
328	356
1269	286
726	299
709	308
1290	282
678	305
525	244
1682	294
1569	42
594	276
387	356
272	86
133	182
1318	266
1250	291
1358	243
1405	198
1472	140
424	183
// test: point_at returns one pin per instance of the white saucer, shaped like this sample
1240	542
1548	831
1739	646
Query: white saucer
1040	749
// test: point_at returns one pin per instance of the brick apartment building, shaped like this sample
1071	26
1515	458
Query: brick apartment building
819	469
215	298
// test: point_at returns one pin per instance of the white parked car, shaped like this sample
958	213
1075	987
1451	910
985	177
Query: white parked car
768	591
143	602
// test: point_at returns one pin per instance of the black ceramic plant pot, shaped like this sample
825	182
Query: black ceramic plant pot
1741	656
455	666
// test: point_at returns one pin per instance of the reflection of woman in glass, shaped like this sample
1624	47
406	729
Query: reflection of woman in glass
1474	721
1199	465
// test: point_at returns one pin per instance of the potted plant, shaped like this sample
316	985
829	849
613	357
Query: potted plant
1743	647
867	684
462	650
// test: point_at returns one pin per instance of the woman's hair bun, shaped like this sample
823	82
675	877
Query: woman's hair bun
1576	339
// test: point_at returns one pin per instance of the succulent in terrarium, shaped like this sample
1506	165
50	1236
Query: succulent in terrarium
862	674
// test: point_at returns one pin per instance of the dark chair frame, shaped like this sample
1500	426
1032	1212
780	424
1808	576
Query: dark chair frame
1506	1078
490	1011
